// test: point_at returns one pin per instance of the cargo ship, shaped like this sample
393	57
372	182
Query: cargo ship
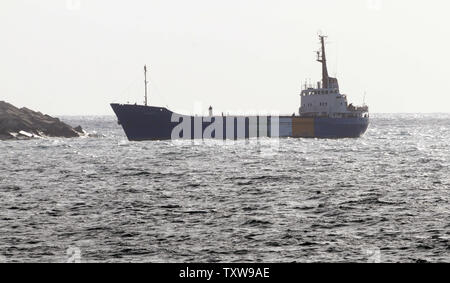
323	113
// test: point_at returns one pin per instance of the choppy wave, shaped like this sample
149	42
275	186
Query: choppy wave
299	200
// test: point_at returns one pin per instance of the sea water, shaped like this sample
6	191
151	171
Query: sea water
384	197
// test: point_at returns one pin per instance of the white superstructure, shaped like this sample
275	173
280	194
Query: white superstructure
326	100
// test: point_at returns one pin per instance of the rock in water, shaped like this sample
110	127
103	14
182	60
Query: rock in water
14	120
79	130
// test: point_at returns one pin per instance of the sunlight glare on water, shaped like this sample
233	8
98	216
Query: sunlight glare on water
297	200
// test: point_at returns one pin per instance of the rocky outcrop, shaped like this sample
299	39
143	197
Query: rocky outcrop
24	123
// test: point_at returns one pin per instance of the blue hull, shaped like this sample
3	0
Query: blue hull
157	123
340	127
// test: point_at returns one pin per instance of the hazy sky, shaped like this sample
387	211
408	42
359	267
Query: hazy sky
77	56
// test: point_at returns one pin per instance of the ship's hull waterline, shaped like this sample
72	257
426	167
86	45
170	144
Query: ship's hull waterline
158	123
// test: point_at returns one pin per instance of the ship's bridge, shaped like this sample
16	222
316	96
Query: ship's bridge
327	102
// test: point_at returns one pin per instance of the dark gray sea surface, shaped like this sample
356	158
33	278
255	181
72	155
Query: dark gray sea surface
383	197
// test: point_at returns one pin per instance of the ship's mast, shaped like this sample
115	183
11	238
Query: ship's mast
146	83
323	59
